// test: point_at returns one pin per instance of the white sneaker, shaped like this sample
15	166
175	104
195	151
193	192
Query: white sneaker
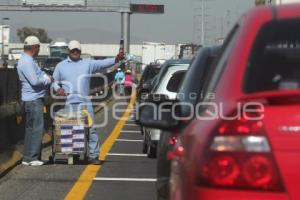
36	163
25	163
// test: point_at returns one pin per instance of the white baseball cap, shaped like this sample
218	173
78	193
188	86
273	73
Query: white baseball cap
74	44
32	40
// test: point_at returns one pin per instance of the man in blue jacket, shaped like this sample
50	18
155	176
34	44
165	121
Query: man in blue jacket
34	82
69	73
119	80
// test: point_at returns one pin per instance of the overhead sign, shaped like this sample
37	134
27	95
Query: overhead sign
66	5
147	8
54	2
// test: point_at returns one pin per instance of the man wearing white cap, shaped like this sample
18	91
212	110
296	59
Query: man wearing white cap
69	73
34	82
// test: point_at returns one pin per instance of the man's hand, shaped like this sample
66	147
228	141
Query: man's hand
49	78
120	56
60	92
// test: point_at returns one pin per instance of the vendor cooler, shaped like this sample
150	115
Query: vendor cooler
70	136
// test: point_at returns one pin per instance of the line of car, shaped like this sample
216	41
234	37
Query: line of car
233	130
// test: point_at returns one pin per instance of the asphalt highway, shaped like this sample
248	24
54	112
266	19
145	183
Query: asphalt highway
126	174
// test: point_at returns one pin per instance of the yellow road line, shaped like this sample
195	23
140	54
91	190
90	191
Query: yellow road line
85	180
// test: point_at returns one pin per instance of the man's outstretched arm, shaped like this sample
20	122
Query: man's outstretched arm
98	65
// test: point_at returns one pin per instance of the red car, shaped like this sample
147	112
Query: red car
245	141
251	150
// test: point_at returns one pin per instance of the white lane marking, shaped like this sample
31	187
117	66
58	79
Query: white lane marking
125	140
131	125
127	154
126	179
130	120
126	131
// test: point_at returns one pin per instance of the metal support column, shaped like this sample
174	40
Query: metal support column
122	25
126	31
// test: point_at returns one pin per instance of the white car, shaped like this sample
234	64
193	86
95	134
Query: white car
169	85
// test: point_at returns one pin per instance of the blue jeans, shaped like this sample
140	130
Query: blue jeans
34	129
94	143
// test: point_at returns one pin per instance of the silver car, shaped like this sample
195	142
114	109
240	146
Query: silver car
168	86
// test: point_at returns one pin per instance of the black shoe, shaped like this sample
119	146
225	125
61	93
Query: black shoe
95	161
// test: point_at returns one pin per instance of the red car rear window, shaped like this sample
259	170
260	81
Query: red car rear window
274	63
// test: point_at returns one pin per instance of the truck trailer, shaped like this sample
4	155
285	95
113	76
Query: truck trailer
275	2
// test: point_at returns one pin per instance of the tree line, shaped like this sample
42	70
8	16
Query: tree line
41	33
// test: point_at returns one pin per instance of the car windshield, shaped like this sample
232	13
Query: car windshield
274	63
53	61
151	73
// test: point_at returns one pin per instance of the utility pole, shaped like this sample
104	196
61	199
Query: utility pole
197	27
125	30
222	27
228	20
201	28
202	23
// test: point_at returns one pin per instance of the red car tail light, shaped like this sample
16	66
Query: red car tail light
239	157
241	126
258	171
172	140
222	170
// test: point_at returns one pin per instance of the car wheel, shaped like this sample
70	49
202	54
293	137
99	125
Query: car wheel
145	146
160	197
151	151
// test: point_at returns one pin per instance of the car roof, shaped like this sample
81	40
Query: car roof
174	67
284	11
177	61
172	62
153	65
287	11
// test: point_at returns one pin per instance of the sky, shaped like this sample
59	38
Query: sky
179	24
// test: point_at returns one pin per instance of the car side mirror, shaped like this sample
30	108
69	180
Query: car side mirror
157	112
146	87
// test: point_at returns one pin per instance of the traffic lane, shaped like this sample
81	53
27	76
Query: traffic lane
45	182
116	190
126	174
127	147
82	186
130	136
130	141
128	167
48	181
